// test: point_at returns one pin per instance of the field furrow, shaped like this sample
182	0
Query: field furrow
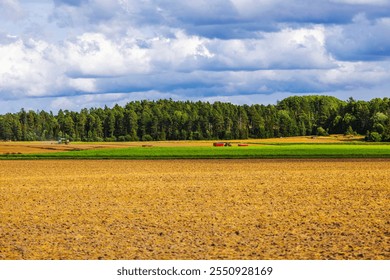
195	209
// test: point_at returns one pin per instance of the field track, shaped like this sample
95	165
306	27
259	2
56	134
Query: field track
195	209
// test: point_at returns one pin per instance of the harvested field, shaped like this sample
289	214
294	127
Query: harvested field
195	209
42	147
52	146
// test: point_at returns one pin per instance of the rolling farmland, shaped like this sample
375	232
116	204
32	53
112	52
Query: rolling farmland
291	147
195	209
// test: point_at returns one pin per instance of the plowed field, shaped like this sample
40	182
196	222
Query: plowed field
195	209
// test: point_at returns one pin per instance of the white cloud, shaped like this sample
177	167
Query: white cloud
11	10
362	2
27	68
83	85
363	39
357	75
183	53
102	51
287	49
92	54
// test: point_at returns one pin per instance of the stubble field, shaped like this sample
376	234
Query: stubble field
34	147
195	209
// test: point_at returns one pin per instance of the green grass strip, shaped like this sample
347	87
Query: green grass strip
263	151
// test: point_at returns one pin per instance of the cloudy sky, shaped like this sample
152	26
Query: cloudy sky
75	54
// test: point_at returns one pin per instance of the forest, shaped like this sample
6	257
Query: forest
186	120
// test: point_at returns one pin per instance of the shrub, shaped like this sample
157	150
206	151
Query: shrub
375	137
321	132
110	139
349	131
147	137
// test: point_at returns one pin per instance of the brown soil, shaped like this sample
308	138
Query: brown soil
195	209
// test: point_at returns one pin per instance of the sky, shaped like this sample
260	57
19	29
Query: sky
74	54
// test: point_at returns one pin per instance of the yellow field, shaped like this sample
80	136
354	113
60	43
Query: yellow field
195	209
52	146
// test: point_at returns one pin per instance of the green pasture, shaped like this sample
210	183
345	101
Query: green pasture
235	152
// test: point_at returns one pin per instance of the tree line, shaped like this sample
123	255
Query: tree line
187	120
